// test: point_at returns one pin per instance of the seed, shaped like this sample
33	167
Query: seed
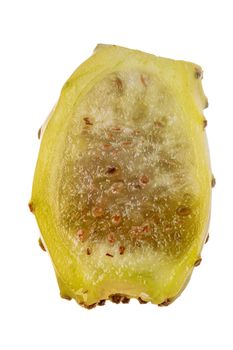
111	170
119	85
87	121
111	238
183	211
80	234
121	250
207	238
206	103
144	179
108	254
107	146
197	262
101	302
137	132
126	143
88	251
116	129
97	212
146	229
116	219
41	245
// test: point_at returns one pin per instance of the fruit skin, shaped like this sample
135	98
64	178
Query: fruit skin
91	270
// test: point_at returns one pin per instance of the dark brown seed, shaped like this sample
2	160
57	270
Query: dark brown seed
141	301
198	73
41	245
207	238
88	251
197	262
126	143
110	255
116	219
146	229
97	212
66	297
119	85
213	181
111	170
144	179
137	132
125	300
166	302
101	302
39	133
87	121
80	235
111	238
116	129
115	298
31	207
206	103
121	250
107	146
183	211
205	123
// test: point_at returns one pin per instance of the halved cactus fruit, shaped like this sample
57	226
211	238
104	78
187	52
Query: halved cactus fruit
122	186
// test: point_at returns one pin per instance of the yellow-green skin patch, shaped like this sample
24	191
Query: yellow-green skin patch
122	185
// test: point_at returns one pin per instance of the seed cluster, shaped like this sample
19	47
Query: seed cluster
126	178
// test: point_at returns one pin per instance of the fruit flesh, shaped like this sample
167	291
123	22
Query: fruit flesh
122	185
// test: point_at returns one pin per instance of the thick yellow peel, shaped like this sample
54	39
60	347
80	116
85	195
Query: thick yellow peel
122	185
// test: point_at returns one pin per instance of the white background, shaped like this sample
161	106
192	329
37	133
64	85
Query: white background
42	42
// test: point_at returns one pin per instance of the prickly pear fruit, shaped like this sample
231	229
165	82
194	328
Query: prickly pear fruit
122	185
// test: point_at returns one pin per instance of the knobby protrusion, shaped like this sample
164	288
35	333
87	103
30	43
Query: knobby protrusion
65	297
198	262
213	181
41	244
141	301
205	122
198	73
31	207
39	133
166	302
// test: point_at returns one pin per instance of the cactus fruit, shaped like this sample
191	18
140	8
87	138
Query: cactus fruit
122	186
